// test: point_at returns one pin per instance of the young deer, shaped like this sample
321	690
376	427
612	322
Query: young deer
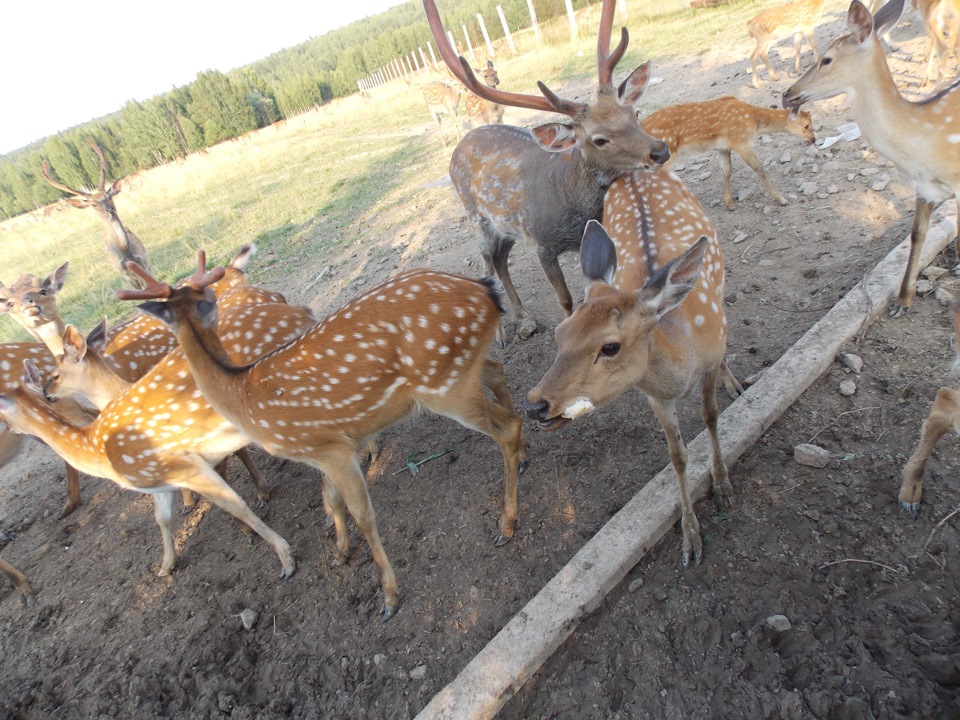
652	319
544	184
726	124
941	18
442	99
797	18
944	416
480	111
19	581
921	138
418	341
121	244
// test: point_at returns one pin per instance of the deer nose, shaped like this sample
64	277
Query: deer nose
660	152
537	410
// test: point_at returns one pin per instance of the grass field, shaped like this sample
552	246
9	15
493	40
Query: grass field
323	182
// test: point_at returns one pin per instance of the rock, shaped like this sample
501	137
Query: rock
868	171
808	188
379	659
811	455
419	672
704	175
778	623
854	362
526	328
791	707
851	176
831	166
924	287
786	157
833	189
249	618
934	273
635	585
848	387
943	296
740	238
746	193
753	379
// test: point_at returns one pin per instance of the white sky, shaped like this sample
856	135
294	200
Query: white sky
66	63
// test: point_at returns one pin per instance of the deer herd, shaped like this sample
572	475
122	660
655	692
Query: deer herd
156	404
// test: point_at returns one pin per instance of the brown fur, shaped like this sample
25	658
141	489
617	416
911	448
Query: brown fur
796	18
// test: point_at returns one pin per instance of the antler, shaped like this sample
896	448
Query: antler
201	278
607	61
103	165
464	73
156	290
60	186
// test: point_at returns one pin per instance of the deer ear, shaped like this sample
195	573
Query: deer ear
77	202
555	137
859	21
489	63
598	254
54	283
243	256
115	188
634	86
31	377
673	282
887	17
97	338
159	310
74	346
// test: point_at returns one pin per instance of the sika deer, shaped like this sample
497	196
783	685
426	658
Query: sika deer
544	184
652	319
944	416
480	111
442	99
941	18
418	341
797	18
921	138
121	244
725	124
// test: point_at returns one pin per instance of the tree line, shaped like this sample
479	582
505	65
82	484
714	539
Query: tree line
217	106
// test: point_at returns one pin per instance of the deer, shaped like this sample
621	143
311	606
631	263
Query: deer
726	125
442	99
418	341
941	18
121	244
855	65
20	583
796	18
480	111
544	184
944	416
652	319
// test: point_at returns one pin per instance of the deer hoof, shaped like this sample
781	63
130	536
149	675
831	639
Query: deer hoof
288	571
502	540
522	467
911	507
897	310
389	610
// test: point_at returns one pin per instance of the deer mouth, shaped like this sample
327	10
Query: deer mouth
553	423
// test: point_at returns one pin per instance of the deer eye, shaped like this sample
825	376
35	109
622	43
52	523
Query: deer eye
600	141
825	61
41	292
610	349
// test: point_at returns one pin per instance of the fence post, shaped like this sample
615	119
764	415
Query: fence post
534	23
506	30
432	56
466	37
486	38
622	4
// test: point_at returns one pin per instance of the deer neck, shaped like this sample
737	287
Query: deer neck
76	445
50	334
103	385
769	119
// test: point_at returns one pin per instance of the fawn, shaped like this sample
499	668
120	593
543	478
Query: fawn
442	99
797	18
726	124
480	111
652	319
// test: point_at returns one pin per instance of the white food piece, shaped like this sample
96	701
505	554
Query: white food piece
578	408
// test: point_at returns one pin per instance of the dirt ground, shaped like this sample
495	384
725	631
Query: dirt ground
869	593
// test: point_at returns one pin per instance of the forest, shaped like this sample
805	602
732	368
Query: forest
216	107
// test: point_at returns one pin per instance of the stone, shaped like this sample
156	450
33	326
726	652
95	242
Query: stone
419	672
848	388
746	193
943	296
741	236
854	362
924	287
934	273
809	188
778	623
811	455
868	171
635	585
249	618
833	189
786	157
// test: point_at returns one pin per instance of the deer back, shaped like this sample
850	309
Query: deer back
782	20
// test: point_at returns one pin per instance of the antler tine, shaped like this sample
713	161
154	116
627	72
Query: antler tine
154	290
464	73
103	165
45	170
201	278
607	61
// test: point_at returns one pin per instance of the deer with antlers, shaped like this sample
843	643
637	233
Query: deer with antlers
652	319
726	125
418	341
544	184
921	138
121	244
796	18
479	110
441	99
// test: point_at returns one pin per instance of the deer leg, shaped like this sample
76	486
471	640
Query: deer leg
340	465
798	48
263	487
334	507
73	491
730	383
753	162
551	266
201	478
495	381
722	489
666	412
921	221
727	167
944	416
163	513
500	261
762	52
19	581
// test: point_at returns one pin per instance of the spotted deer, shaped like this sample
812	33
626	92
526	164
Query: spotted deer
480	111
544	184
941	18
855	65
20	582
652	319
418	341
442	100
796	18
944	416
120	242
726	125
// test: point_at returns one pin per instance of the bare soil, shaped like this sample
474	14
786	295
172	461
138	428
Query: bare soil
870	592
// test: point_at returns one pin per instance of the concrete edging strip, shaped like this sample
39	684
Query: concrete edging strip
533	634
